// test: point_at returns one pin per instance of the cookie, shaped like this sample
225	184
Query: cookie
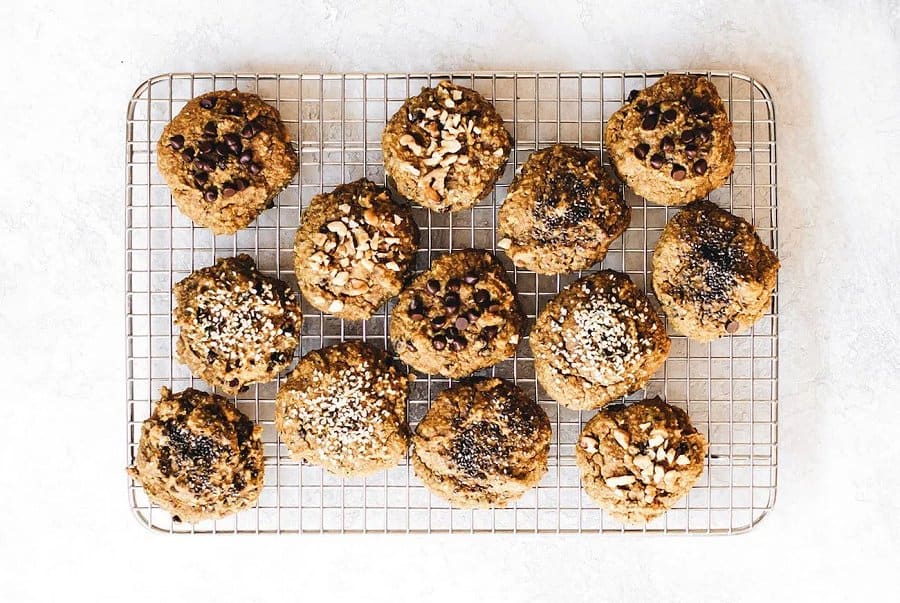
199	457
226	155
353	249
457	317
711	272
344	408
238	326
637	461
596	341
671	143
562	212
445	148
482	444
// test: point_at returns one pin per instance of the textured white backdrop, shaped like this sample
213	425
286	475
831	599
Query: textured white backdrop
68	70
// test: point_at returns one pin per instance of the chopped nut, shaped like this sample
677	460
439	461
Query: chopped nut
398	219
658	473
410	168
392	266
621	437
644	426
670	456
367	264
448	160
451	146
408	141
344	208
432	194
462	159
660	453
670	477
448	102
341	279
642	461
504	243
338	228
498	152
682	460
514	339
620	480
456	94
588	443
357	287
370	217
335	306
655	441
319	238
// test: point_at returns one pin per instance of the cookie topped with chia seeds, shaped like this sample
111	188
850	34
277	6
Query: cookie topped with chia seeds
445	147
598	340
712	274
353	249
562	212
238	326
344	408
482	444
225	156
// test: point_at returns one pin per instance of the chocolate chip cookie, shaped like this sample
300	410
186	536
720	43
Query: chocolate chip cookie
459	316
445	148
637	461
225	156
238	326
482	444
562	212
598	340
199	457
671	143
353	249
711	272
344	408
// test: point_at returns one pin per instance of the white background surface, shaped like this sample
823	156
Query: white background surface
66	533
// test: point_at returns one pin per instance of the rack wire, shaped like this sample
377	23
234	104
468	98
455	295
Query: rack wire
729	387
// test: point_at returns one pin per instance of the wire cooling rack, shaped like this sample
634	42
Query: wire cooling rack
729	387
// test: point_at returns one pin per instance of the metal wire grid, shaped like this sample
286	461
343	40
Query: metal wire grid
729	387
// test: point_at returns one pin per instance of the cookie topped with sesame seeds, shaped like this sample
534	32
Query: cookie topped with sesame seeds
445	147
598	340
712	274
238	326
457	317
199	457
482	444
672	142
353	249
344	408
225	156
637	461
562	212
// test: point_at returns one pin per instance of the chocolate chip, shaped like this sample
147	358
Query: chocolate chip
410	116
234	143
641	106
235	109
694	104
416	315
201	177
438	342
228	190
240	184
246	158
452	332
657	161
416	305
472	315
211	194
652	110
641	150
244	388
650	121
732	326
632	95
678	172
667	144
188	154
453	285
703	134
494	307
255	168
690	150
462	323
471	278
687	136
433	286
222	163
222	149
278	357
458	343
211	127
438	321
205	146
233	383
700	167
176	142
669	116
482	298
252	128
451	300
489	332
211	357
208	102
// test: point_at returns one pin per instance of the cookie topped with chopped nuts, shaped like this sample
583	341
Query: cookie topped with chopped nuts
199	457
344	408
238	326
445	147
482	444
671	143
637	461
225	157
598	340
712	274
562	212
353	249
457	317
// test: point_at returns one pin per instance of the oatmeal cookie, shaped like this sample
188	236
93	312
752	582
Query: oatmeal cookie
482	444
562	212
459	316
238	326
637	461
199	457
445	148
671	143
596	341
711	272
353	249
344	408
226	156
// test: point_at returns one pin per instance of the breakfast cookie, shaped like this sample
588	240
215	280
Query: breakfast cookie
344	408
199	457
637	461
459	316
445	148
671	143
238	326
562	212
711	272
596	341
353	249
482	444
225	156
